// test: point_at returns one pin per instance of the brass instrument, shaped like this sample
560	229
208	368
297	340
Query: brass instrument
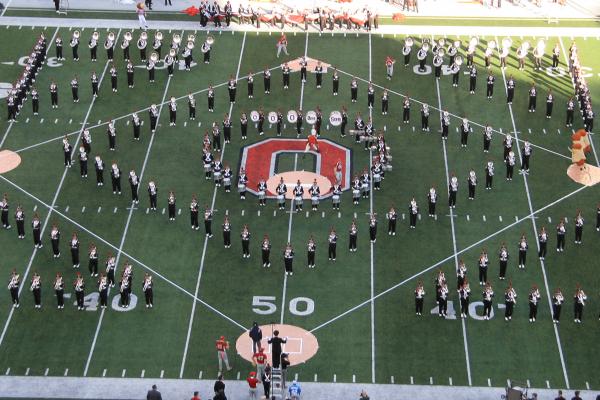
126	39
176	40
191	38
190	45
540	48
110	40
422	53
210	40
142	41
94	40
75	39
158	37
408	43
522	50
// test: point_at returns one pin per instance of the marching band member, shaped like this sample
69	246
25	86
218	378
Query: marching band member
465	129
332	242
115	175
319	74
4	207
262	192
503	256
205	48
487	138
266	252
311	249
288	259
36	289
153	112
36	226
279	122
218	172
406	110
281	191
490	85
113	78
150	66
226	232
483	263
35	98
549	104
406	50
532	98
67	148
298	196
452	190
188	56
443	300
93	260
244	126
111	265
74	250
354	89
384	102
425	117
463	294
555	56
578	227
171	200
356	187
413	211
580	298
353	235
103	290
75	89
99	166
74	43
227	128
489	175
59	291
543	242
13	287
194	213
419	298
472	183
152	194
227	174
431	201
370	95
267	80
472	79
445	124
192	107
79	286
488	295
147	288
455	70
439	279
242	181
335	82
111	131
20	220
461	274
510	90
522	246
344	122
377	172
211	98
55	240
303	65
134	183
216	137
525	155
507	145
510	299
172	111
86	141
93	45
570	112
534	298
245	235
250	80
510	165
561	231
125	46
315	193
232	88
557	300
125	291
373	227
130	72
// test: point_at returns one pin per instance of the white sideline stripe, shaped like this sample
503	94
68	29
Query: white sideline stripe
100	123
289	233
372	245
201	268
556	334
440	262
66	372
452	229
104	372
51	209
143	373
125	230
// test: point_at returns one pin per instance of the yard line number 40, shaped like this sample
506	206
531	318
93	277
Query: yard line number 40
265	305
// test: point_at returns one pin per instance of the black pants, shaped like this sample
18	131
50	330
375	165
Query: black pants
464	306
424	122
490	90
353	94
556	311
503	265
232	95
75	93
134	193
80	297
227	238
153	201
452	199
543	247
560	242
100	176
266	257
413	219
508	311
53	100
110	276
116	184
352	245
75	256
406	115
288	264
471	191
104	298
171	210
194	219
522	257
578	311
549	107
431	208
93	266
130	79
533	310
149	295
60	297
509	171
267	82
419	306
332	251
336	87
21	228
455	79
483	274
55	248
487	308
37	240
488	180
532	103
525	162
246	247
578	233
392	226
510	95
569	120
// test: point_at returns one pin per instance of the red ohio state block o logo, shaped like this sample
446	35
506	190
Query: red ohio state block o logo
260	162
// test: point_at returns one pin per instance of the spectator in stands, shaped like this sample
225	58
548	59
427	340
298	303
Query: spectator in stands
294	391
363	395
196	396
560	396
153	394
576	397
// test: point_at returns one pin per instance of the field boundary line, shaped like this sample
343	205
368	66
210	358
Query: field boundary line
126	229
129	256
5	8
452	229
289	233
138	111
10	125
51	208
450	257
212	206
372	245
542	263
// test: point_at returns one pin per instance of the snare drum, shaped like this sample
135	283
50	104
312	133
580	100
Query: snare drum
241	187
298	199
315	200
280	198
261	195
207	167
376	178
336	199
227	181
355	192
217	175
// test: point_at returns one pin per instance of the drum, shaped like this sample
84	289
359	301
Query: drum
376	178
261	195
336	199
280	198
311	117
227	181
298	199
335	118
272	117
217	175
355	192
364	187
207	167
314	200
254	116
292	116
241	187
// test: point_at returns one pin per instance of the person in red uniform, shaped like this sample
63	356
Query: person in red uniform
252	382
311	142
260	359
222	346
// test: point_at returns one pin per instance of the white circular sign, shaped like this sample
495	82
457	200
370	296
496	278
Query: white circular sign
335	118
272	117
292	116
5	88
254	117
311	117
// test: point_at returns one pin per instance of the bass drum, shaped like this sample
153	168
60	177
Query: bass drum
254	117
335	118
292	116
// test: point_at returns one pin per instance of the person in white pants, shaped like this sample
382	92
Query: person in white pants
141	13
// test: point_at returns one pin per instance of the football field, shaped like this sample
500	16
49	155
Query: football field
360	308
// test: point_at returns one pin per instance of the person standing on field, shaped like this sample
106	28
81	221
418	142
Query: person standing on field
222	345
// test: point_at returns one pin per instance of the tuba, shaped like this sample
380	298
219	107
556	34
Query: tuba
176	40
538	51
408	43
94	40
75	39
422	53
522	50
142	41
158	37
472	45
110	40
126	39
210	40
190	45
191	37
490	48
170	58
154	57
438	60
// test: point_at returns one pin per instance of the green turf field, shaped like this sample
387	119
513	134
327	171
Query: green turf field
203	291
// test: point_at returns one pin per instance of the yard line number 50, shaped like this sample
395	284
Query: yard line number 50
265	305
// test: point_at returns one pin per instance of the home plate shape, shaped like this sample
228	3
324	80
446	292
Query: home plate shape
301	344
9	160
587	174
311	64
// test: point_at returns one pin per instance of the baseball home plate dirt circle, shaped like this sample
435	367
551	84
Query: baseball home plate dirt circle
301	344
9	160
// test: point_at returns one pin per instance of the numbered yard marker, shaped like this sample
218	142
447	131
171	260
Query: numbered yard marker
265	305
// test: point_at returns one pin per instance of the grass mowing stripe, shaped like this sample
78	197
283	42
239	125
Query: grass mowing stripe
51	208
289	233
212	206
469	247
549	298
453	230
126	229
412	99
372	244
47	51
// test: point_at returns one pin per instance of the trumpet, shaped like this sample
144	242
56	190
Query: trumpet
205	47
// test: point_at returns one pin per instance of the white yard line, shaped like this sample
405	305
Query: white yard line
450	257
153	271
289	233
372	255
5	8
212	206
535	231
47	52
452	228
51	209
100	124
126	229
566	57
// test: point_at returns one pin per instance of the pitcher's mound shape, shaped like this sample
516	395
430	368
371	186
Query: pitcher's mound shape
301	344
587	174
9	160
